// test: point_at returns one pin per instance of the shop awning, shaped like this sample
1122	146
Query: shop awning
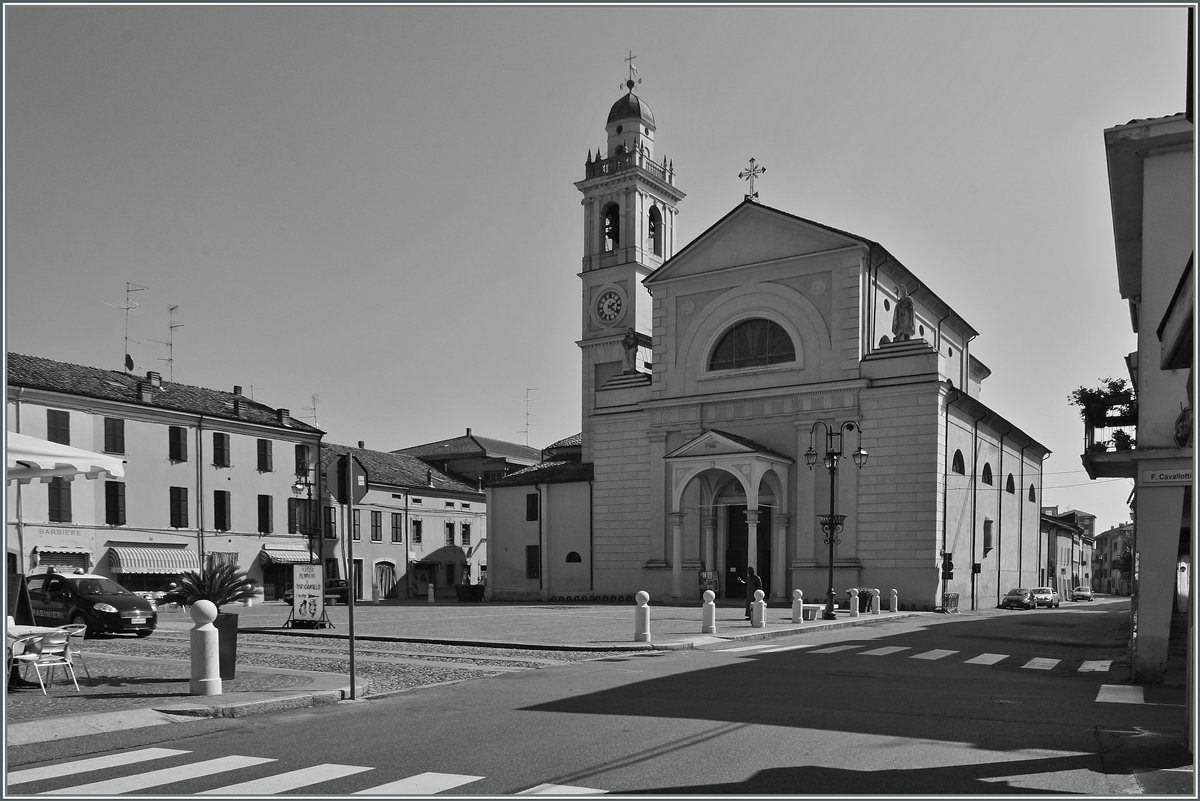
280	556
27	458
152	560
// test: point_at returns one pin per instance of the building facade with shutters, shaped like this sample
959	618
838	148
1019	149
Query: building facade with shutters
708	372
209	478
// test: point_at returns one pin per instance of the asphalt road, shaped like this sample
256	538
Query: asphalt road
1003	704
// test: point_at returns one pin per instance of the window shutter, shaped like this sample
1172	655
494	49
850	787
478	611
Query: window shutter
265	523
114	503
264	456
114	435
58	426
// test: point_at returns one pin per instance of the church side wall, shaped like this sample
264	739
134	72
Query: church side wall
565	534
622	517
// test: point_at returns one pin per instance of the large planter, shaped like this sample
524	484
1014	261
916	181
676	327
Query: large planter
227	626
469	593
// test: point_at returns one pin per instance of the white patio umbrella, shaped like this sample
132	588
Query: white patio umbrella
27	458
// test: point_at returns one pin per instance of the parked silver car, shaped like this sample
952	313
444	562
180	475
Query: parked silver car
1047	597
1082	594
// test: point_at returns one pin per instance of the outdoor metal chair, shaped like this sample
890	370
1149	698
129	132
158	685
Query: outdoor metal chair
75	635
18	646
50	652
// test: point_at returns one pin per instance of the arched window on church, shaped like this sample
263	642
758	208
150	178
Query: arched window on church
1032	493
987	474
957	464
753	343
612	227
655	231
573	556
1010	487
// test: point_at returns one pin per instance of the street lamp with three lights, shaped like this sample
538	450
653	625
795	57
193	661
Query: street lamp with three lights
833	523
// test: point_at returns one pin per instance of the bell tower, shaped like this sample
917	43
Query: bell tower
630	206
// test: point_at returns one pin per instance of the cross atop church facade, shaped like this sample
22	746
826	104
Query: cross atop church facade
750	173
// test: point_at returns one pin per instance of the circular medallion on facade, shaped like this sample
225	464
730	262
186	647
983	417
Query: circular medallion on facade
688	307
818	287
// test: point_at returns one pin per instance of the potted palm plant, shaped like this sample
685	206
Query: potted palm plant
220	584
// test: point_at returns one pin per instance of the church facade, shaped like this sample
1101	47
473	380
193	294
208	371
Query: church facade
710	370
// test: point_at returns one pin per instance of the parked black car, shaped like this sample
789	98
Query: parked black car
337	590
103	604
1019	599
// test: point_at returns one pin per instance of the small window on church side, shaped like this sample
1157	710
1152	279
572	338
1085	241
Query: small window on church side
957	464
753	343
987	474
1032	494
1010	486
612	227
573	556
655	231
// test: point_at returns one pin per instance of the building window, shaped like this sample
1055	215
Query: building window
376	526
1032	494
655	231
957	464
987	536
177	444
466	534
114	503
330	522
222	514
1010	487
265	461
265	515
293	505
612	227
450	532
60	500
465	505
987	474
58	426
356	527
449	504
753	343
397	527
531	506
533	561
179	507
220	449
416	531
301	459
418	500
114	435
574	556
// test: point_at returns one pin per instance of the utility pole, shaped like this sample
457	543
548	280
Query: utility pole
528	400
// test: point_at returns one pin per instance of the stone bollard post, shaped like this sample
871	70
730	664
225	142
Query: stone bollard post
206	662
758	611
854	602
895	601
641	617
875	601
797	606
429	593
708	614
374	592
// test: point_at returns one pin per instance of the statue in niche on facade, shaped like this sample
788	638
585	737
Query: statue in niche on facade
903	324
630	344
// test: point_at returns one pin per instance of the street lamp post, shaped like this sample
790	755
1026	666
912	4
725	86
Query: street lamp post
832	523
299	487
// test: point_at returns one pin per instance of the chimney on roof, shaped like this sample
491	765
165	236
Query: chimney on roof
468	432
237	389
429	477
145	394
154	378
238	406
362	444
285	416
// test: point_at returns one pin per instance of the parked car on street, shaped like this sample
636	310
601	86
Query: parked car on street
336	589
1082	594
1047	597
1019	598
103	604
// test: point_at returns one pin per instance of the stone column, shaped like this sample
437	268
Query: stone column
752	539
779	558
709	524
676	554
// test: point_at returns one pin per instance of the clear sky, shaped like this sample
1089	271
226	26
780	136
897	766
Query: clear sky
375	205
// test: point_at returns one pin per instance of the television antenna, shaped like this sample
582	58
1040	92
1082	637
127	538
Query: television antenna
528	400
312	409
170	343
131	307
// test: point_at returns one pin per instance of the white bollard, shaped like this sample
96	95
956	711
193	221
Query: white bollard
895	601
429	593
206	660
875	601
374	592
758	611
708	614
797	606
641	617
854	602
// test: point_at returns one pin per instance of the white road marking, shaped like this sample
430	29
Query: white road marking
887	649
421	784
155	778
560	789
789	648
281	783
745	648
1121	694
1040	663
937	653
95	763
986	659
1096	666
835	649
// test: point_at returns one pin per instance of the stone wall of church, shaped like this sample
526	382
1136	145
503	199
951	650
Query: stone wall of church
624	527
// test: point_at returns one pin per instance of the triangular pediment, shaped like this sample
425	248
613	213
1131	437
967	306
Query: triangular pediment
720	443
752	234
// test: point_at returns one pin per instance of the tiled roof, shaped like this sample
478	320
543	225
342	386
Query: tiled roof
397	469
473	445
547	473
571	441
34	372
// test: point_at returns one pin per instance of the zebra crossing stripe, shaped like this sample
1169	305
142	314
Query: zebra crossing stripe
1096	666
986	659
937	653
1121	694
270	785
95	763
1040	663
155	778
745	648
421	784
560	789
888	649
789	648
835	649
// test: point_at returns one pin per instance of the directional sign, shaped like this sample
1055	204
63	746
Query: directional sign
357	480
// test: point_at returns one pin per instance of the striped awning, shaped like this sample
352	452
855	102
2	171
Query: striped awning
280	556
152	560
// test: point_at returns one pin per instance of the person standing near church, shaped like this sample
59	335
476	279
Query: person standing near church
753	582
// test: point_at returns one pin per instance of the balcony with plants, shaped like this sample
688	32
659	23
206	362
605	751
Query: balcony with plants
1109	414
